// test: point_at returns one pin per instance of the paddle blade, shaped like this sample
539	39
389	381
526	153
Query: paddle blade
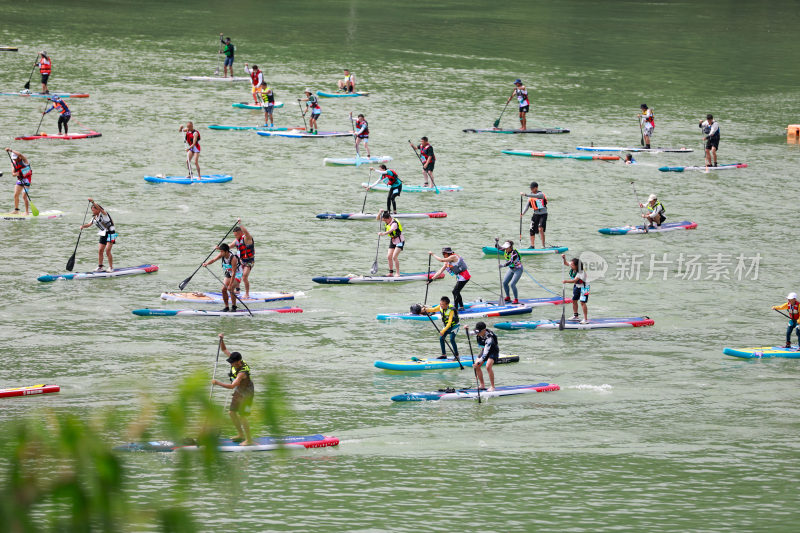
374	269
27	84
34	210
182	285
563	322
497	123
71	262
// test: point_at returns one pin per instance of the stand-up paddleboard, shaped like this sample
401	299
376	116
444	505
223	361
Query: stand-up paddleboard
59	136
19	215
415	364
637	149
299	134
323	94
185	180
47	95
216	297
203	312
8	49
256	128
637	230
356	161
562	155
552	129
249	105
215	78
262	444
382	187
352	279
730	166
594	323
472	310
29	391
492	251
764	351
472	394
374	216
126	271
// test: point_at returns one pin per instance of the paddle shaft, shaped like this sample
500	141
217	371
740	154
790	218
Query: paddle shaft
303	113
355	137
458	359
214	375
216	73
374	268
422	162
497	122
641	209
499	270
521	202
41	119
185	282
563	322
781	312
236	296
474	369
641	131
366	192
71	260
28	83
428	284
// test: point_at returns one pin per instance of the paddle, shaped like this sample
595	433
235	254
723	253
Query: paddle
428	284
71	260
641	209
216	73
185	282
234	293
374	269
305	126
497	122
521	202
563	322
499	269
189	165
784	314
214	375
35	62
641	131
366	191
458	360
474	370
34	210
41	119
422	162
355	140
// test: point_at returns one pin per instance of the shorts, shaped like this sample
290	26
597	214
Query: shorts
241	405
398	245
364	137
429	168
228	62
194	150
648	129
577	295
538	221
108	238
238	276
248	263
268	108
712	143
316	115
45	77
524	108
25	182
493	357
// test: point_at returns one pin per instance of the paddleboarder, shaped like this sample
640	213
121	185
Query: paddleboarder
521	92
456	266
451	324
22	171
515	269
392	179
267	103
491	352
710	139
246	246
397	241
629	160
64	113
428	159
243	393
792	307
257	78
229	52
232	269
348	84
107	232
312	102
192	139
655	212
362	134
580	289
45	65
538	201
648	123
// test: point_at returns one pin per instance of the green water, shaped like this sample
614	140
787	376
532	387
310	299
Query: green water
654	429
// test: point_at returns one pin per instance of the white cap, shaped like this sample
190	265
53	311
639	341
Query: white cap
14	156
307	90
792	296
505	245
652	197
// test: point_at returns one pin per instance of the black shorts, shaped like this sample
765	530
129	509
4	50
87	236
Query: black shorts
524	109
712	143
576	293
429	167
490	356
538	221
315	116
400	245
104	239
241	405
45	78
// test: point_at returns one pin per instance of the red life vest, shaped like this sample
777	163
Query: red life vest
190	138
794	310
254	76
426	152
391	176
538	203
23	169
45	64
359	124
246	251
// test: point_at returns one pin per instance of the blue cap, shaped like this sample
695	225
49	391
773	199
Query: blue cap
518	81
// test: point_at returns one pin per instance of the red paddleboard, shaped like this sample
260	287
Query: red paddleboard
29	391
60	136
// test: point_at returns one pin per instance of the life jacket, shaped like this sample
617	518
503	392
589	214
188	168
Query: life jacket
190	138
513	257
104	222
459	267
663	209
23	169
649	117
227	267
268	95
245	388
350	78
234	372
396	234
313	102
359	124
246	251
451	310
392	178
254	76
522	96
538	203
578	282
482	341
425	152
61	106
45	65
793	309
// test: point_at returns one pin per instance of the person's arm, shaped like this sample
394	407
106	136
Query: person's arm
247	236
247	68
222	345
219	255
564	260
233	385
446	328
527	206
49	109
486	347
714	129
98	206
780	307
381	177
513	92
431	310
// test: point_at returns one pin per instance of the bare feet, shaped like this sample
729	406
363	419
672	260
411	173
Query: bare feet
247	443
490	389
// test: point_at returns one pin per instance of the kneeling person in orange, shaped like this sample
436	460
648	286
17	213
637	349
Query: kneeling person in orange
243	393
491	351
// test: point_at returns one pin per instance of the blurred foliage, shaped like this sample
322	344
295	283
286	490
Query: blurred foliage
60	471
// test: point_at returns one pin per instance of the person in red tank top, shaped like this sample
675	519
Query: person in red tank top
45	65
22	171
192	138
257	78
246	248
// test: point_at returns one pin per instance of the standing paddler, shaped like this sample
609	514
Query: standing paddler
228	51
456	266
64	113
648	123
450	324
521	92
192	138
710	139
232	270
580	288
312	102
397	241
45	65
428	159
22	171
392	179
267	103
257	79
538	201
362	134
243	393
490	353
108	235
246	246
792	307
515	270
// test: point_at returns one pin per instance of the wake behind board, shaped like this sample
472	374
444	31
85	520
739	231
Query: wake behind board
185	180
543	130
19	215
323	94
262	444
356	161
594	323
126	271
203	312
216	297
59	136
729	166
472	394
415	364
637	149
30	390
248	105
764	352
298	134
352	279
373	216
638	230
382	187
562	155
492	251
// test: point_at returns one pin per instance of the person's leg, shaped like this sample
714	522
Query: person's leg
792	325
490	371
708	156
585	311
533	231
514	280
233	289
457	301
506	284
797	330
237	423
225	285
389	260
453	342
541	234
271	116
397	260
442	346
524	120
714	152
358	146
366	146
246	279
479	374
17	192
27	204
108	255
248	439
100	249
